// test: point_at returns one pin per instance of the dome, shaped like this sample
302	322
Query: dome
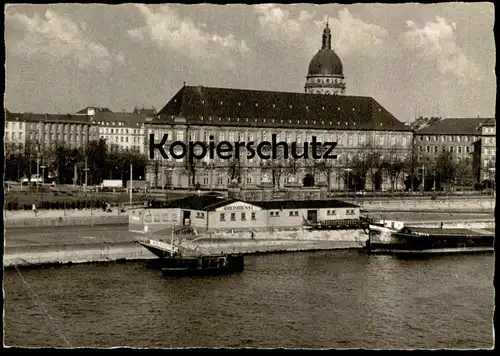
326	62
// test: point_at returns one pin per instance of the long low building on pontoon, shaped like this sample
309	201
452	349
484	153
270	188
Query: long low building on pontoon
208	213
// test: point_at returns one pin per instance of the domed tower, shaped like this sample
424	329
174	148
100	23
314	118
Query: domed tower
325	74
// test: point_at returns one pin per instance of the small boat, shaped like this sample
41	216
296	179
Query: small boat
393	239
174	263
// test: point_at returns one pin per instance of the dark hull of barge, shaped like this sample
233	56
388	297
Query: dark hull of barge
178	265
404	243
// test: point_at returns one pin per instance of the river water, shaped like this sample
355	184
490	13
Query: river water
327	299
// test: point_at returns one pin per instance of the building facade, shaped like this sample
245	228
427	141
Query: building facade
485	152
46	131
15	131
213	214
356	124
124	131
472	140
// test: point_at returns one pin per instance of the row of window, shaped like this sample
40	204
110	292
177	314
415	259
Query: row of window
233	216
122	131
452	149
349	139
121	139
449	138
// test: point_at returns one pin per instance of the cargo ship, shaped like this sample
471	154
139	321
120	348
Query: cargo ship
395	238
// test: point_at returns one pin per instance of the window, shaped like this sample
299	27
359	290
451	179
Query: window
435	149
192	136
233	216
467	149
421	138
459	149
222	217
291	213
243	217
205	180
253	216
207	136
452	149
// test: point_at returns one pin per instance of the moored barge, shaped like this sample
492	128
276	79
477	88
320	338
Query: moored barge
426	240
174	264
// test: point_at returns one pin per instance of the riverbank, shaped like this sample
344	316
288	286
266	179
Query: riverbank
123	246
20	219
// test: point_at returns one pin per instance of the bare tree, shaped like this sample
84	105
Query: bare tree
464	173
395	165
327	166
292	167
276	167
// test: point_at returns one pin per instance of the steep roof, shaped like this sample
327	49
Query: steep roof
128	119
454	126
210	202
97	109
56	118
489	122
236	107
303	204
194	202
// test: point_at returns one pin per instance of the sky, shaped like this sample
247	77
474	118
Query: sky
414	59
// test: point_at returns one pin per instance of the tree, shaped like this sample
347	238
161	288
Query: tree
233	169
395	165
276	166
96	154
312	167
327	166
464	173
377	163
292	167
445	169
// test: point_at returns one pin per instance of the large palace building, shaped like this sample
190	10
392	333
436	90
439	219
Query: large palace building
359	125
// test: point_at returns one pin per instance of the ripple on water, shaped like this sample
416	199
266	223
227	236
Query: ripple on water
335	299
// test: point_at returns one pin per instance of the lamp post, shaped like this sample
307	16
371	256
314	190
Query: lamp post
131	185
86	169
492	180
348	170
43	174
37	169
